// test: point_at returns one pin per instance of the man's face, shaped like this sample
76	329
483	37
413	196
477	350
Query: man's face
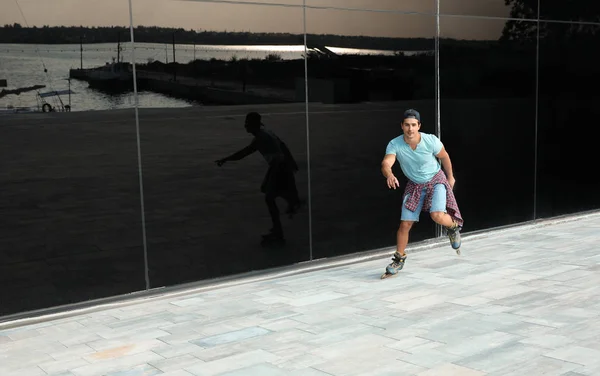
411	128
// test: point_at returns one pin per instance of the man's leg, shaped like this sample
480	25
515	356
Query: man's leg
439	215
438	207
294	204
443	219
402	236
291	196
290	193
269	188
277	229
407	220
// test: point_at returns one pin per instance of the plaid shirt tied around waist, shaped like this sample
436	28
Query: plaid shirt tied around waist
414	191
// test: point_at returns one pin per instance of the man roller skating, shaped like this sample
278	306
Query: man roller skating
428	187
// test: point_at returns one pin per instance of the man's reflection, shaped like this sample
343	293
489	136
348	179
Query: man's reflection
279	180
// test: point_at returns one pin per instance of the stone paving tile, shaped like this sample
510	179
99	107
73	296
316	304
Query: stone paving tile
524	301
143	369
177	373
230	337
72	353
117	364
540	365
176	363
449	369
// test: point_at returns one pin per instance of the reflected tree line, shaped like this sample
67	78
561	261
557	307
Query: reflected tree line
16	33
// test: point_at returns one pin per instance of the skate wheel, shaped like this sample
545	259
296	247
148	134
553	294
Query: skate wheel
387	275
458	252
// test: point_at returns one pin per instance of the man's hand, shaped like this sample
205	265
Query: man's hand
392	182
220	162
451	181
386	170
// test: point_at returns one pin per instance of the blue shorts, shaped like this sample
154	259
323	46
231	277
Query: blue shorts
438	203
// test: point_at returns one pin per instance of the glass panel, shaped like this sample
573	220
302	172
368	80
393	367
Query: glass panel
488	118
422	6
569	107
490	8
71	224
206	221
365	69
578	10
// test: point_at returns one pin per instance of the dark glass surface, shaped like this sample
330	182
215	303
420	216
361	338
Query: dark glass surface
578	10
488	120
490	8
356	104
569	107
205	221
70	228
424	6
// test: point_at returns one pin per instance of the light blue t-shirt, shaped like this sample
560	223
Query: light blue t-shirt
419	165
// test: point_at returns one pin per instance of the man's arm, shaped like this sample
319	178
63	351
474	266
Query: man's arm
447	165
238	155
386	170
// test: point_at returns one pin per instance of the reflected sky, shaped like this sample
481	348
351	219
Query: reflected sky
200	15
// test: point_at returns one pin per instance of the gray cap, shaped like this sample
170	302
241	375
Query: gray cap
412	114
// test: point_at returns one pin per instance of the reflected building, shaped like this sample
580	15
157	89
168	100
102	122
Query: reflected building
121	194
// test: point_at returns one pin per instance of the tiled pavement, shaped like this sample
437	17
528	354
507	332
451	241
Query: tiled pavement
520	302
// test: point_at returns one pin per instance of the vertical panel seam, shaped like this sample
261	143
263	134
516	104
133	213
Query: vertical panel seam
437	97
308	171
139	150
537	105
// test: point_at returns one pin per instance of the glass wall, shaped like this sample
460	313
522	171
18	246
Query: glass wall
569	77
255	130
70	223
